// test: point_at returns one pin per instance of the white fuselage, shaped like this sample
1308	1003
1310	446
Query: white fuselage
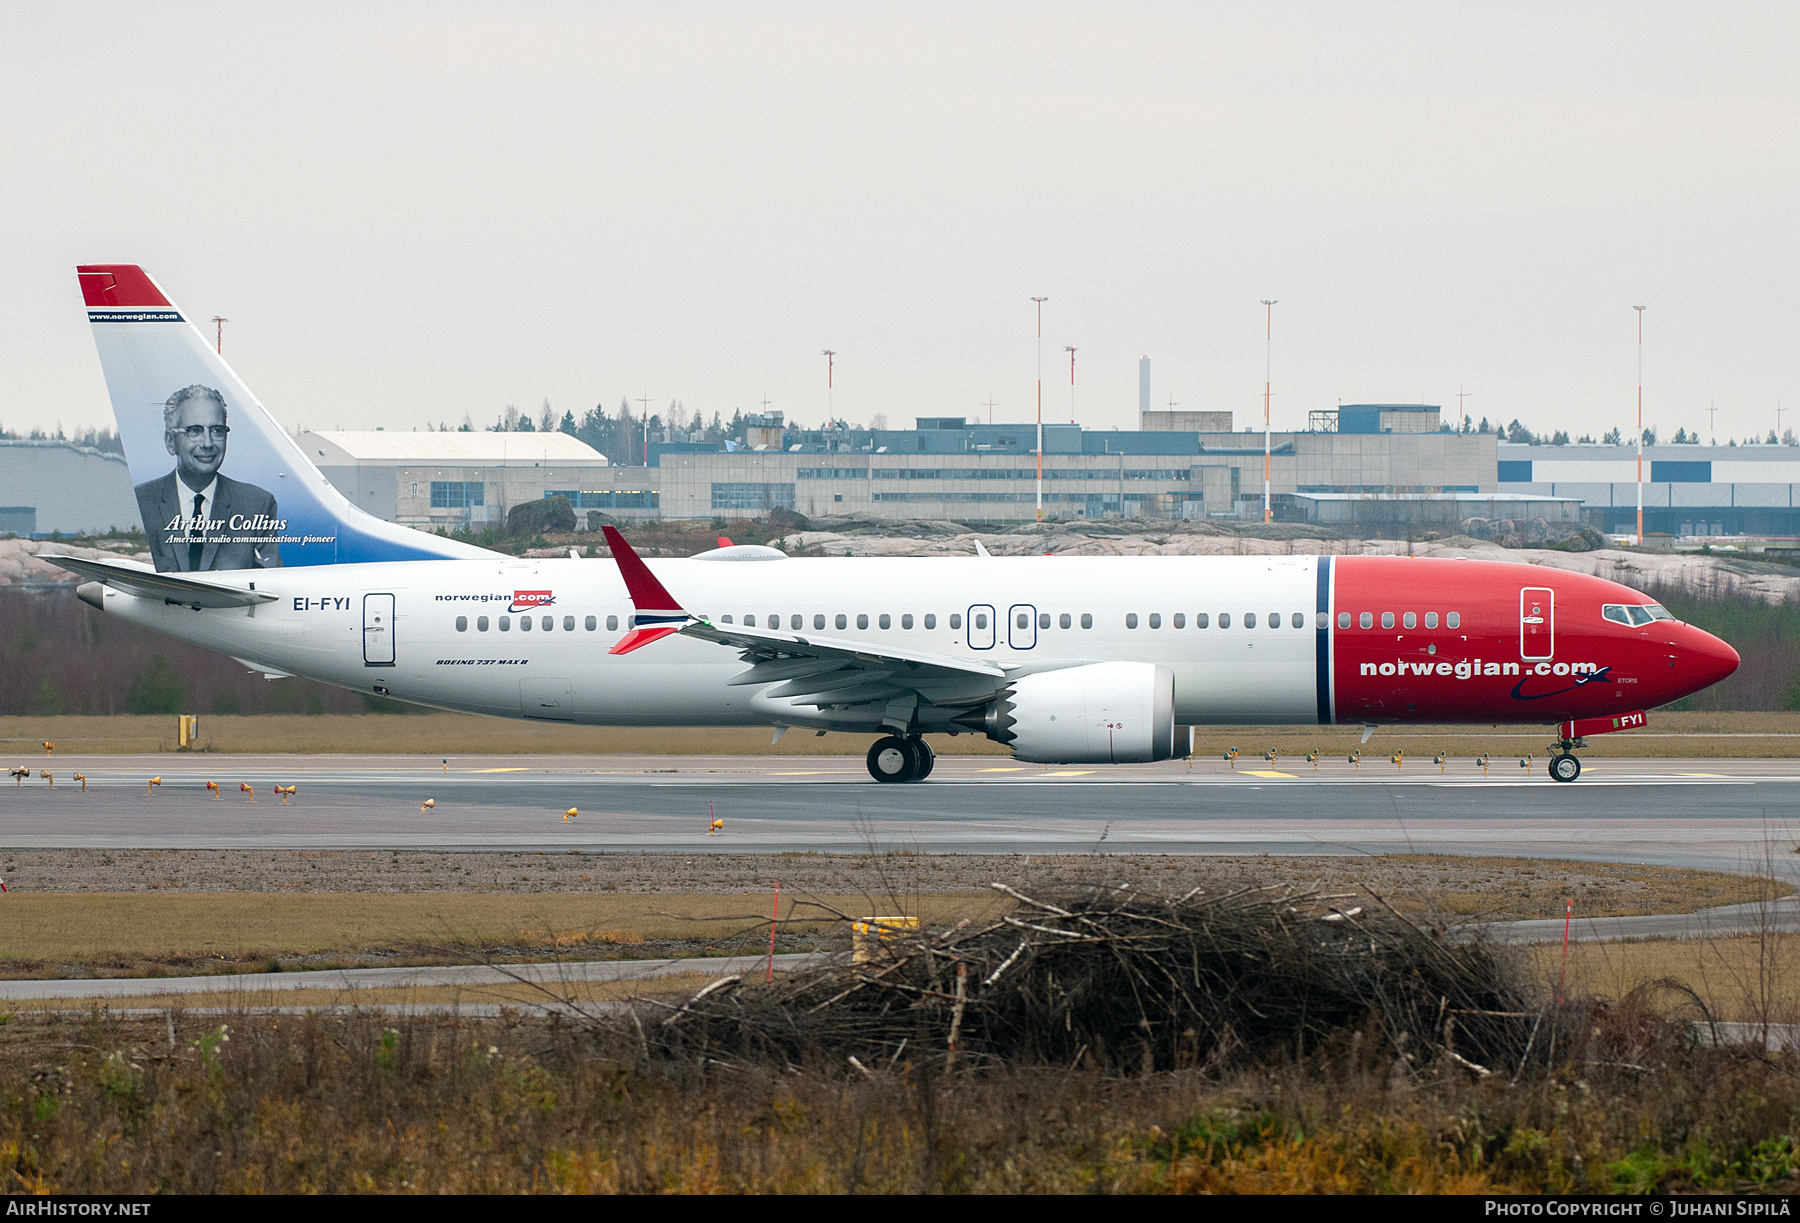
333	623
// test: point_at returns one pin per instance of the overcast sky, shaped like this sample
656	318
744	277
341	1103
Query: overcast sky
410	213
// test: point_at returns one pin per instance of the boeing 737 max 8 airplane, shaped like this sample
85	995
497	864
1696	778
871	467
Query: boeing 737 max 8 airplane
1063	659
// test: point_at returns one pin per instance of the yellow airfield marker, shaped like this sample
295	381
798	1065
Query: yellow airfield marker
715	828
570	814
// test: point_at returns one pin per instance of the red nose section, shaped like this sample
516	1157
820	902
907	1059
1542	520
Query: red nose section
1712	660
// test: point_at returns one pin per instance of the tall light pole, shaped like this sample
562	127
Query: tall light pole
1040	405
1268	357
646	402
830	355
1640	428
219	334
1070	349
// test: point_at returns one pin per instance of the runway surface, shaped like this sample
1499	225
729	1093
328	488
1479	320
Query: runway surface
1721	814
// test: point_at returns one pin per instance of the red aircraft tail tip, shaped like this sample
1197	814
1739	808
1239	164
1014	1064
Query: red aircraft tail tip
118	284
725	542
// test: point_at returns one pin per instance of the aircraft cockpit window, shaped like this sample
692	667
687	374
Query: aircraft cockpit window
1616	613
1658	611
1639	615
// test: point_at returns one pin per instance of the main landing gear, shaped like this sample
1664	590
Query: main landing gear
1563	764
896	759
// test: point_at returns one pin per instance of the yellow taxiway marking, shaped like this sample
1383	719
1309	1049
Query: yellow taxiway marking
1068	773
999	770
522	770
1264	773
1700	774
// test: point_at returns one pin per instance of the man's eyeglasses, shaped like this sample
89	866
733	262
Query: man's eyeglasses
196	432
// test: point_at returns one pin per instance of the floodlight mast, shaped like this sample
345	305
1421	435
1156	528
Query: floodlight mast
1040	405
1268	355
1640	428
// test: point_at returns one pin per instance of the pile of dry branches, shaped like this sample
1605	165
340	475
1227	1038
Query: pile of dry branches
1131	981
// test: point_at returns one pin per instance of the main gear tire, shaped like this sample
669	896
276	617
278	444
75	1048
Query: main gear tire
892	759
927	758
1564	767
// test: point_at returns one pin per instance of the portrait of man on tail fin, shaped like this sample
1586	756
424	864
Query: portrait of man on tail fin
194	517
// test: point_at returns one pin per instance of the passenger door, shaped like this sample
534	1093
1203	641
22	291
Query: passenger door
1537	622
1021	626
378	630
981	627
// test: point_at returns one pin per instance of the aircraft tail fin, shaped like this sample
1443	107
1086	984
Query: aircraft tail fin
220	485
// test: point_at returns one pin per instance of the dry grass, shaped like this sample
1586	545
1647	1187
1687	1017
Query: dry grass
136	933
1741	979
1773	735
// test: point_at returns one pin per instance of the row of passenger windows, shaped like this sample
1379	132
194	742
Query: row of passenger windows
797	621
547	623
1407	620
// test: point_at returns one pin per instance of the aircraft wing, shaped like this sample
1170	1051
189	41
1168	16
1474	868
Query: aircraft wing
177	588
806	668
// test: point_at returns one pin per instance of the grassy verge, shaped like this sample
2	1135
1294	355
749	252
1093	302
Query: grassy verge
434	735
182	932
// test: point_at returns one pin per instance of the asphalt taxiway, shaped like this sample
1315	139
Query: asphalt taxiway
1731	814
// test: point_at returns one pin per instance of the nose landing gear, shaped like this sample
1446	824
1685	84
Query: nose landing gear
900	759
1563	764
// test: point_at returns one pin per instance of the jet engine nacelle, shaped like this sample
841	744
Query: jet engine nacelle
1102	713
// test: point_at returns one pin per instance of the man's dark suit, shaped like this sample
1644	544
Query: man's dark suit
161	502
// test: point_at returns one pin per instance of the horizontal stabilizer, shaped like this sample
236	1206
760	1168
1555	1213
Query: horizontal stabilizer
169	587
